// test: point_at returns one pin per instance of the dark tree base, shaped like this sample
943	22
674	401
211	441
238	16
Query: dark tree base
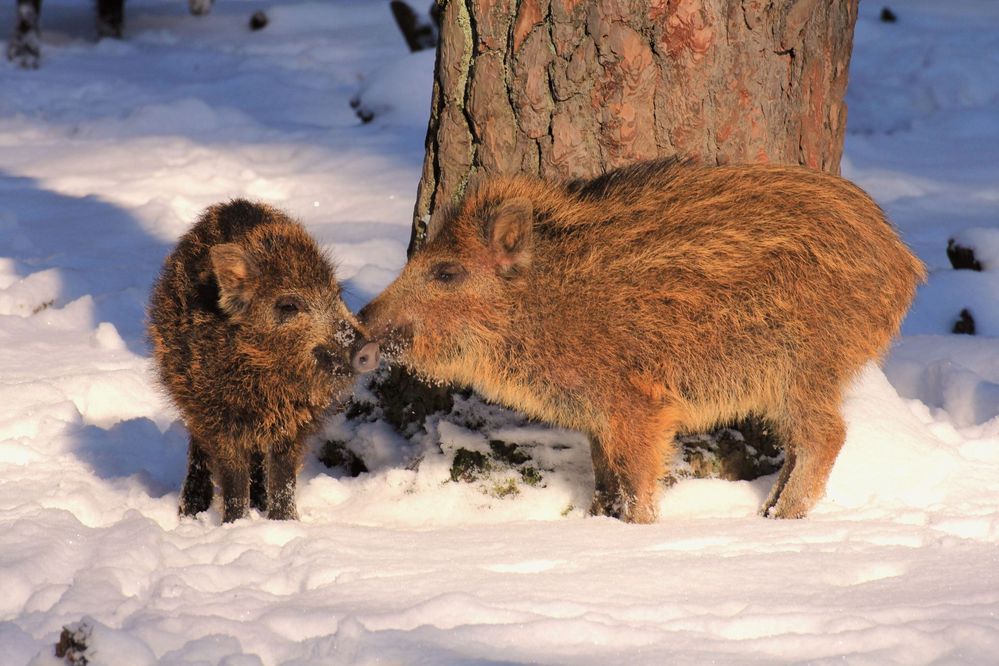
419	34
965	324
110	18
962	258
258	21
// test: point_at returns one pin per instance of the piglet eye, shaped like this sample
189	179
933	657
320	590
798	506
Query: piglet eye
289	306
447	273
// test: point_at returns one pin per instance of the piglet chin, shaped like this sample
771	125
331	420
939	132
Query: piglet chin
394	343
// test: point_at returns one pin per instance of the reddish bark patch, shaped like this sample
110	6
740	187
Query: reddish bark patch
528	17
687	30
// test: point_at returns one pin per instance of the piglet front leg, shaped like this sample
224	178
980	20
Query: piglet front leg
282	472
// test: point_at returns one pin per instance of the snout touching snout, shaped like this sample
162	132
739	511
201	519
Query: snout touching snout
362	358
394	334
365	358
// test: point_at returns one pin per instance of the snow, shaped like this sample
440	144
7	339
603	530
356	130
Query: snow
107	154
400	90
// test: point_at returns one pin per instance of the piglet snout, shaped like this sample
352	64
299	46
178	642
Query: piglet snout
366	358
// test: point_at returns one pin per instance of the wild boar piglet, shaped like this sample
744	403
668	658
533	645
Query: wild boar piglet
253	343
658	298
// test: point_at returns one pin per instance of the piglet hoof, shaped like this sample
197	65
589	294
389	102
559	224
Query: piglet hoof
607	504
599	509
200	7
283	513
767	510
192	506
25	50
235	510
777	514
258	500
784	509
282	504
623	507
642	514
187	511
196	496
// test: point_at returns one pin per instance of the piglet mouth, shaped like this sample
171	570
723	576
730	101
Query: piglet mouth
395	341
330	360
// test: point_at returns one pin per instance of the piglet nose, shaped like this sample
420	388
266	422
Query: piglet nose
366	358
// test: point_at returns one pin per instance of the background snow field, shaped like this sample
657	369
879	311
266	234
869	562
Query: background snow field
108	153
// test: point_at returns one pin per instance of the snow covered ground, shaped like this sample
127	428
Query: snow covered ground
108	152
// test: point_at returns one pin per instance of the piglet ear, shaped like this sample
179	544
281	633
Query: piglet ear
510	234
233	269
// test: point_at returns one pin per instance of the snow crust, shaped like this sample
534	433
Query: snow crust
110	150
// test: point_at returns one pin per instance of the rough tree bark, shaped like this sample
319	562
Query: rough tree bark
573	88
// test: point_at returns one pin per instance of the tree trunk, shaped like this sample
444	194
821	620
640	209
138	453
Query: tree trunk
572	88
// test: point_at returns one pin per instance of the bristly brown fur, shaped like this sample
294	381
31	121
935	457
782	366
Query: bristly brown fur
253	343
659	298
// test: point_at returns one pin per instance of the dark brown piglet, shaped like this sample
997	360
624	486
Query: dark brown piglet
253	344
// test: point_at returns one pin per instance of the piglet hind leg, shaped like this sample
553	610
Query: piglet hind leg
282	473
608	497
813	438
196	494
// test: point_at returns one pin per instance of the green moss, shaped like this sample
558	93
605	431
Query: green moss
503	459
464	24
469	465
531	476
726	454
505	488
507	453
